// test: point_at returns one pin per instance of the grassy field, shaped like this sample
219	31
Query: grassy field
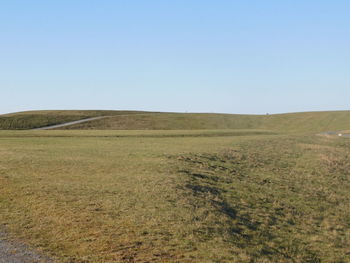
177	196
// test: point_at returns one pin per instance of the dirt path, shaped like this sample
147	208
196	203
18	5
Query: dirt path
13	252
70	123
83	120
338	133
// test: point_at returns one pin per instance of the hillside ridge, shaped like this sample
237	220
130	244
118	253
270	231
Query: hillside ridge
142	120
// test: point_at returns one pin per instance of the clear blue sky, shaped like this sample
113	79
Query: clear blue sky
184	55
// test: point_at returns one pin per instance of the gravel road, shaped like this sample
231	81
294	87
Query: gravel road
70	123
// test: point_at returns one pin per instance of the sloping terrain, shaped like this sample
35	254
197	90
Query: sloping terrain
290	122
136	120
173	121
36	119
308	121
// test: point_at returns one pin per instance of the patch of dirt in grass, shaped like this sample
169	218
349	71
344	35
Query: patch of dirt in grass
16	252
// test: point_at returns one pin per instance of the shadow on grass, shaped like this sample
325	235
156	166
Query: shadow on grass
246	221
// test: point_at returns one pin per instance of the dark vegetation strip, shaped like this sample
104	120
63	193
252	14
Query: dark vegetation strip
219	134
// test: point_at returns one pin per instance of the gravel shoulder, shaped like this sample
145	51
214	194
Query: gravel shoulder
15	252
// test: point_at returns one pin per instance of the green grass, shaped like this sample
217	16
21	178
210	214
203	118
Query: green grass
177	196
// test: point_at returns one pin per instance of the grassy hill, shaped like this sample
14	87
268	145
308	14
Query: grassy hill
308	121
35	119
138	120
293	122
173	121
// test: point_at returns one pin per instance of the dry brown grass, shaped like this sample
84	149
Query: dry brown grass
94	196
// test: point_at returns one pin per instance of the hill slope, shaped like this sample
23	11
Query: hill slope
290	122
138	120
36	119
